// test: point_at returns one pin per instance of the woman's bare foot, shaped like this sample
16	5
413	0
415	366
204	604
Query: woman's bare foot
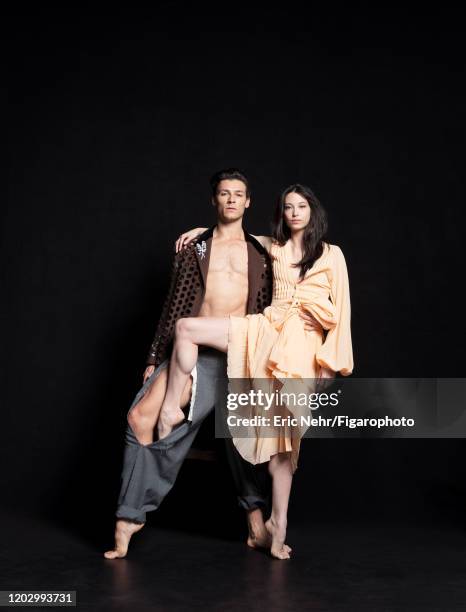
277	532
261	538
123	532
168	420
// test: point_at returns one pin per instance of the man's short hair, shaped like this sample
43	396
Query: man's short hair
229	174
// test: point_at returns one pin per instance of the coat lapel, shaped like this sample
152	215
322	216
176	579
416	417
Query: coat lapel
256	266
203	248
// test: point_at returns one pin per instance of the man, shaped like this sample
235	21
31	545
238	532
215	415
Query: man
224	271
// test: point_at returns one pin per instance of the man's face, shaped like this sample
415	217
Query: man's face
230	200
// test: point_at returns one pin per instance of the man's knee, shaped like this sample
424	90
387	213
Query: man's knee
135	418
184	327
144	415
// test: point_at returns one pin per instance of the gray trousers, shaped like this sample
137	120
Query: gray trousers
150	470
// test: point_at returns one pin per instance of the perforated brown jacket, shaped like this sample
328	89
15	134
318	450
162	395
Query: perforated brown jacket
188	283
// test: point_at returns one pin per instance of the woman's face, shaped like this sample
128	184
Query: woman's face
296	211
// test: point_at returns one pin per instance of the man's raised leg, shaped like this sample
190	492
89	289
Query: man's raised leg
190	333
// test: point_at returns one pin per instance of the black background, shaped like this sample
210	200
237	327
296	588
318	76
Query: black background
116	121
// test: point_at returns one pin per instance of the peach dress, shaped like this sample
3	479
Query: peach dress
275	345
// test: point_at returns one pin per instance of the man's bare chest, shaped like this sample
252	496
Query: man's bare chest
229	257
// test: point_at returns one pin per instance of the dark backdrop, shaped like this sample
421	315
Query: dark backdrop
116	122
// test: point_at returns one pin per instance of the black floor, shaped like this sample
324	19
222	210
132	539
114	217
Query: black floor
334	567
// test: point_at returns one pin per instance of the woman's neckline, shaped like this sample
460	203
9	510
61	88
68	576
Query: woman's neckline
290	269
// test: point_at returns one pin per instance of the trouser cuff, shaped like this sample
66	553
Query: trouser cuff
251	502
131	514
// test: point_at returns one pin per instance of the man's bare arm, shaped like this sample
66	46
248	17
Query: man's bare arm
265	241
188	237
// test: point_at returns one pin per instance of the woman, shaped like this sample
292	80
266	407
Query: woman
308	274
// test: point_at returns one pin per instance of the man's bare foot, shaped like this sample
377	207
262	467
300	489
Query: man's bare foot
278	549
168	420
123	532
264	541
259	538
258	535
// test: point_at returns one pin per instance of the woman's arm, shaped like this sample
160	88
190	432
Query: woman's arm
336	353
188	237
266	241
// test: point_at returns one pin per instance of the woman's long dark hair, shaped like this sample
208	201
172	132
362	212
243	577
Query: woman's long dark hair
314	232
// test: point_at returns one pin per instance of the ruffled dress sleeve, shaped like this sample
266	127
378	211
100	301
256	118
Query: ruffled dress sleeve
336	353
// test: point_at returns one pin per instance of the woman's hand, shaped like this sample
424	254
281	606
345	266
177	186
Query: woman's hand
188	237
310	322
324	379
